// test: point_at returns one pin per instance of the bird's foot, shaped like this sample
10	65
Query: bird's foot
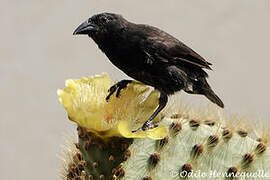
117	87
149	123
145	127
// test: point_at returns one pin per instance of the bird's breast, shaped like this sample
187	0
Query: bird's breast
123	54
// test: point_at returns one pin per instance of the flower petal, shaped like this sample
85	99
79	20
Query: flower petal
84	101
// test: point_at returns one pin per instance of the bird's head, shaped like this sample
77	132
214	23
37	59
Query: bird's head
99	25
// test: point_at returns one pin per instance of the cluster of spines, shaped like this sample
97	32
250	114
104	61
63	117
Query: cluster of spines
76	168
247	160
213	141
197	149
104	157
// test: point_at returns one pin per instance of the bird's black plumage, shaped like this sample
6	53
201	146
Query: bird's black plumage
151	56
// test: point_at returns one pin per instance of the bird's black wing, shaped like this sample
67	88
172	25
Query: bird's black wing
165	47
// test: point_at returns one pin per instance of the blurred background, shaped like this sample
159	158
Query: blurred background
38	53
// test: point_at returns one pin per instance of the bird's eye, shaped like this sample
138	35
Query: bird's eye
105	19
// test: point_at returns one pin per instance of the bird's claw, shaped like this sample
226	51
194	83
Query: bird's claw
118	92
117	87
145	127
111	91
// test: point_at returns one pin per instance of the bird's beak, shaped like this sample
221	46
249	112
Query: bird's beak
85	28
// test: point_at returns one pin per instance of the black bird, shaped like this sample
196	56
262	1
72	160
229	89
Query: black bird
150	56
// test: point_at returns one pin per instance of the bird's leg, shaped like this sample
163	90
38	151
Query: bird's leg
163	99
117	87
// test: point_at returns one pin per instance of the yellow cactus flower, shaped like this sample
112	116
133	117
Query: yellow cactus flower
84	101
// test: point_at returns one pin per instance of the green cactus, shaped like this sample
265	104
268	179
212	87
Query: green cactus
191	145
198	145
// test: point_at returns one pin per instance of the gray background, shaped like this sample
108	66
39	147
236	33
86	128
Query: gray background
38	52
